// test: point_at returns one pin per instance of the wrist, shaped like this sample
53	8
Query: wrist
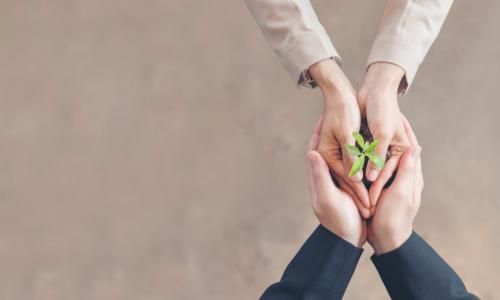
356	241
390	241
330	78
350	236
383	77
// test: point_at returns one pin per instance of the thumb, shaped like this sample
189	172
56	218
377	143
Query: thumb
372	171
405	176
320	181
348	159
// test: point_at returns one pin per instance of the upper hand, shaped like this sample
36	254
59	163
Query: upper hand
397	206
334	208
378	102
341	118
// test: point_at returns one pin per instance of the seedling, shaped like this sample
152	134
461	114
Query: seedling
364	149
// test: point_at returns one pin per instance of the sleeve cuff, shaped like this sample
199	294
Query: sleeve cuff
416	271
328	261
396	253
306	50
326	254
336	240
321	269
398	52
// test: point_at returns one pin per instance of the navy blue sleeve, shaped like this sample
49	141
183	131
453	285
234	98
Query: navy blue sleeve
321	269
416	271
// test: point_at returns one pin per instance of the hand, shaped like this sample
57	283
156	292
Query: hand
341	118
378	102
392	223
334	208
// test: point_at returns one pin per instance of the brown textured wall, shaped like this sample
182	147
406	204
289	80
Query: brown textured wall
155	149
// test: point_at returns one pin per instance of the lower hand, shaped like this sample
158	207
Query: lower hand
397	206
334	208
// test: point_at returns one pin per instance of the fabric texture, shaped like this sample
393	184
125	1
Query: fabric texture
325	264
416	271
321	269
406	32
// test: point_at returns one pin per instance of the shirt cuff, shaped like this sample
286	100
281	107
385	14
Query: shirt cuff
306	50
306	79
399	52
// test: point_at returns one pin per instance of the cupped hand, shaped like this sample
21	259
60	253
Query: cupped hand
335	209
341	118
398	205
378	102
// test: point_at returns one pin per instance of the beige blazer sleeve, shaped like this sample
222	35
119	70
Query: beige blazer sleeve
294	32
406	32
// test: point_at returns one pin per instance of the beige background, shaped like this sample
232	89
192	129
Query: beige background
155	149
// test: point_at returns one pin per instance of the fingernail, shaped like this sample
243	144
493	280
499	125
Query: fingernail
416	152
373	174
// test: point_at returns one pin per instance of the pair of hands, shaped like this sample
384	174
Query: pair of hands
392	222
344	108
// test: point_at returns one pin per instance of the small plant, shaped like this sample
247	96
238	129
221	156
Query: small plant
364	149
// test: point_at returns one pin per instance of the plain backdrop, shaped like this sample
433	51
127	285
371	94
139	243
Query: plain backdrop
156	149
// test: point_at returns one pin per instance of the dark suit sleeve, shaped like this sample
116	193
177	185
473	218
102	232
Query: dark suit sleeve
416	271
321	269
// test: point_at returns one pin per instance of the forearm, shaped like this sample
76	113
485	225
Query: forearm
294	32
416	271
406	32
330	78
321	269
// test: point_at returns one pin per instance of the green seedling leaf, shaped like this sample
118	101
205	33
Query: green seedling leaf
353	150
377	160
357	165
366	146
372	146
359	138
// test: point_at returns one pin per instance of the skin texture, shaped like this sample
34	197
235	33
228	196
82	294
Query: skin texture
378	103
343	110
398	205
392	222
341	118
334	208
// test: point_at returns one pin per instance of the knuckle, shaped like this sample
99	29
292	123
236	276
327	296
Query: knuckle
330	152
323	151
398	150
344	139
381	132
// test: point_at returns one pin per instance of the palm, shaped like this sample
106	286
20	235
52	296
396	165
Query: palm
382	210
331	141
353	223
398	204
335	209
